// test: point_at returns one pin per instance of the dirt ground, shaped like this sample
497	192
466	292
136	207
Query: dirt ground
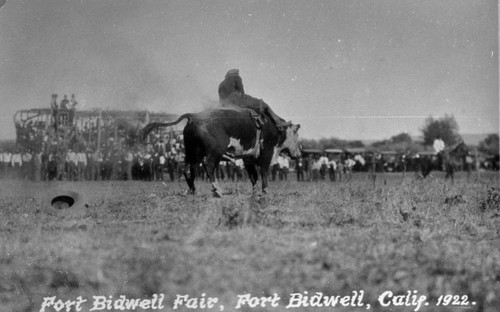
387	244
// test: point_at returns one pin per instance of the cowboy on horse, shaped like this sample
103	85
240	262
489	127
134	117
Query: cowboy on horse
439	146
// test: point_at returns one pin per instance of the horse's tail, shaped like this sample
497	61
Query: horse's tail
144	132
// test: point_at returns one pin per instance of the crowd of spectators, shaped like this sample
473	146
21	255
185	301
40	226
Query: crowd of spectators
87	164
163	160
339	167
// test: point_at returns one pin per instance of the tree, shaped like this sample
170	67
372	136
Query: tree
403	137
446	128
400	143
330	143
490	144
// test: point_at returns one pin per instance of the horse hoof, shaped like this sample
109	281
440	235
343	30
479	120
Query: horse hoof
188	192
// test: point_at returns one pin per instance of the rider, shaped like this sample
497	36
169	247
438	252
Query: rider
231	92
438	146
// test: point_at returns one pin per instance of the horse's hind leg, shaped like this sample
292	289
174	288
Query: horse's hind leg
189	174
210	166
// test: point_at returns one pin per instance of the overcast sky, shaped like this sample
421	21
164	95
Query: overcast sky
353	69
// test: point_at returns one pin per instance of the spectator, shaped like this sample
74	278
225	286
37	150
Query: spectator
1	164
299	169
349	164
220	171
171	166
52	167
275	167
340	170
308	163
360	161
27	165
316	167
239	166
44	161
90	165
72	109
284	166
323	166
16	160
71	165
129	161
6	159
179	160
64	103
81	164
37	166
55	110
332	168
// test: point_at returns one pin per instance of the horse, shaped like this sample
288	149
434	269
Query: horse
451	159
230	133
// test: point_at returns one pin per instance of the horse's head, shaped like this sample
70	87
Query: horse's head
291	141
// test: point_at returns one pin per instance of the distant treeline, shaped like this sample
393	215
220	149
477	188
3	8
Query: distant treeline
324	143
398	143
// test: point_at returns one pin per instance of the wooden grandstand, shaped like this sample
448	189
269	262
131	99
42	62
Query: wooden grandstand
39	128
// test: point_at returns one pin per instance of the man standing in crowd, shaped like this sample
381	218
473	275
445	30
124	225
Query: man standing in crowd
81	164
308	164
239	167
36	166
64	103
284	166
332	168
129	162
72	108
16	163
340	169
275	167
299	169
323	160
97	163
71	165
2	173
44	160
55	110
7	163
316	167
349	164
52	167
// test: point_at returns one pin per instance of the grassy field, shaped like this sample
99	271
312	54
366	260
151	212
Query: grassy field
364	237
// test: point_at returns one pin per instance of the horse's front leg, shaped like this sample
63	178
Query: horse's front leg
252	174
264	173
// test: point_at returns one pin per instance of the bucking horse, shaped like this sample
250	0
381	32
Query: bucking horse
229	133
